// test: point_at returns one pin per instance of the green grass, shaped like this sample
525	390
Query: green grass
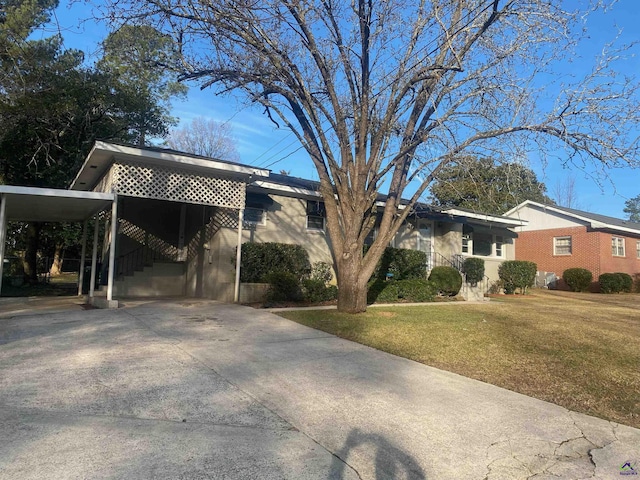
581	351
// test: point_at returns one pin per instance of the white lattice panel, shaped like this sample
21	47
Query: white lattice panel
147	181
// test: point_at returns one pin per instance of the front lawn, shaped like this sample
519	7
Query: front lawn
581	351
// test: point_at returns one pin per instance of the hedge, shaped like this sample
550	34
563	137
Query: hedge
517	274
447	280
577	279
402	263
261	259
473	269
393	291
315	291
615	282
283	286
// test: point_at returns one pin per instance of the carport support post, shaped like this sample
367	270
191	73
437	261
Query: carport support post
112	247
3	234
236	292
82	255
94	256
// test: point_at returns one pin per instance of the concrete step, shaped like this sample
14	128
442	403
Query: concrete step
161	279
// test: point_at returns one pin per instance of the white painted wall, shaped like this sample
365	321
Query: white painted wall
543	219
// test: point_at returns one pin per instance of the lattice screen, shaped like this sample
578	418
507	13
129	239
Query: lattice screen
147	181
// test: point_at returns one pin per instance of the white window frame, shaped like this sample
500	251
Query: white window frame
467	246
316	229
555	245
498	250
316	216
263	216
638	249
467	243
616	244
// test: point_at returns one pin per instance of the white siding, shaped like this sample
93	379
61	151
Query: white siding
543	219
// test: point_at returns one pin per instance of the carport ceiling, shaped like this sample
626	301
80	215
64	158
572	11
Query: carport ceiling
30	204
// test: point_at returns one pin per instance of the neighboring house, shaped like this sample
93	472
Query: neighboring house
557	238
178	221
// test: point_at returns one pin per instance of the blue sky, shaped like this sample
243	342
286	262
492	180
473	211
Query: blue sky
260	143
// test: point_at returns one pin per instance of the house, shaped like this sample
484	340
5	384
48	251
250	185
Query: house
557	238
176	221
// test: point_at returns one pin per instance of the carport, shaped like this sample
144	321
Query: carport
30	204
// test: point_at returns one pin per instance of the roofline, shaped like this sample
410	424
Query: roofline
55	192
593	223
514	222
285	188
509	222
180	159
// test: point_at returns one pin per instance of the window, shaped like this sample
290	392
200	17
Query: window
499	245
482	244
254	216
315	215
617	246
638	249
466	242
562	245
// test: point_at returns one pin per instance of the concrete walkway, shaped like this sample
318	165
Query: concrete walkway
194	389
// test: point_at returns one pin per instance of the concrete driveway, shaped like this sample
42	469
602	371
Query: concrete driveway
194	389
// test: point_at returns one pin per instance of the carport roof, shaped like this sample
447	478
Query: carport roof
32	204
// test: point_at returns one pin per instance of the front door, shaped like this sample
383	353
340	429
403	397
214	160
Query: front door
424	241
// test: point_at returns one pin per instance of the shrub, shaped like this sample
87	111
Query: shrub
321	271
414	290
615	282
517	274
473	269
627	282
316	291
495	287
577	279
283	286
403	263
447	280
261	259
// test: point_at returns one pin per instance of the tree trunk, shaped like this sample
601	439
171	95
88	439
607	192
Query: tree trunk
31	253
352	290
56	266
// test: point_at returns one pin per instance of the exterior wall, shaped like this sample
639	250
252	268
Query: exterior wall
542	219
537	246
211	272
492	263
630	263
590	250
447	238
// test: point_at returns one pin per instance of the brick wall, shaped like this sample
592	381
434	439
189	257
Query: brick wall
628	264
537	246
590	250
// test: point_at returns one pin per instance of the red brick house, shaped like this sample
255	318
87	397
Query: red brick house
557	238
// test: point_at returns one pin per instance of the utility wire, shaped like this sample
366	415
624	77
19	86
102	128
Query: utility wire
435	41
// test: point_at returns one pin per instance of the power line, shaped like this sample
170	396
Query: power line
435	41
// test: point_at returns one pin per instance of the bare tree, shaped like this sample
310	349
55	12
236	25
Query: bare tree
383	93
565	193
206	137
